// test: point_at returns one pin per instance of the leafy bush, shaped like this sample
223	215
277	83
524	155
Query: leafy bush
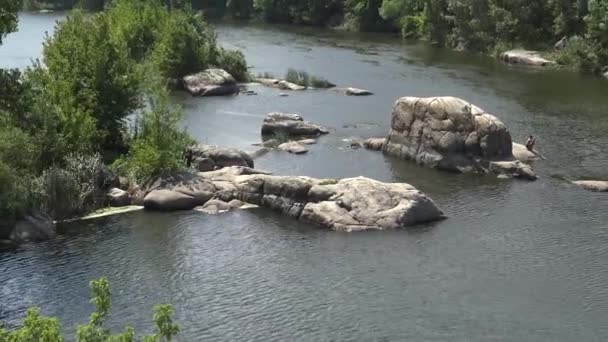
158	142
38	328
234	63
73	189
304	79
580	54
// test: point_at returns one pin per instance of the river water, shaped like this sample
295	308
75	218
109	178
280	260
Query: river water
515	261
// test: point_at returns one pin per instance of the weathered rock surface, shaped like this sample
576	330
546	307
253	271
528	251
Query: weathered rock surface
210	82
294	147
451	134
521	153
211	157
515	169
374	144
179	191
118	198
33	227
216	206
593	185
342	205
524	57
291	125
561	44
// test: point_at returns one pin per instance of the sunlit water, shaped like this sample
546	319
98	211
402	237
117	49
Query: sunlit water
515	261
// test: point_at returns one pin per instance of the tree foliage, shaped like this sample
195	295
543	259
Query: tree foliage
38	328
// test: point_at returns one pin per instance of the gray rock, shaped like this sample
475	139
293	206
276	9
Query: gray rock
204	164
593	185
118	198
449	134
515	169
291	125
293	147
306	141
210	82
374	144
219	157
178	191
561	44
521	153
280	84
525	57
217	206
33	227
357	92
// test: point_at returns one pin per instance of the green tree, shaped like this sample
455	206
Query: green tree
8	17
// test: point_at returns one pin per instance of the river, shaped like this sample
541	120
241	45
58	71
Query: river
515	261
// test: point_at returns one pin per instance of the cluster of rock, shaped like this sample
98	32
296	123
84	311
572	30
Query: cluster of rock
341	205
451	134
289	132
525	57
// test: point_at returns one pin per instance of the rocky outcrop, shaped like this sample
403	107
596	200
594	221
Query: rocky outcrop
33	227
210	82
450	134
342	205
593	185
212	157
525	57
118	198
290	125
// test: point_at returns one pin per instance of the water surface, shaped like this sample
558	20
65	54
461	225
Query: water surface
515	260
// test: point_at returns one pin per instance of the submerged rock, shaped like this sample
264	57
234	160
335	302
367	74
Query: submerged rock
525	57
33	227
280	84
294	147
515	169
211	157
451	134
342	205
593	185
290	125
210	82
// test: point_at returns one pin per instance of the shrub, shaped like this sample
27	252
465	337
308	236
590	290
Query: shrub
158	142
234	63
580	54
73	189
304	79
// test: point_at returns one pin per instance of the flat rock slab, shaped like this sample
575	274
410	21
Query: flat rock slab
357	92
593	185
525	57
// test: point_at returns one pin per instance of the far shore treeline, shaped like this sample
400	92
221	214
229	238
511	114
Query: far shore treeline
486	26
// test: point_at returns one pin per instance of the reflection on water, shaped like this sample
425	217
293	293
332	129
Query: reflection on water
514	261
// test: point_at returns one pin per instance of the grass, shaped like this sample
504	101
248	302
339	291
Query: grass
304	79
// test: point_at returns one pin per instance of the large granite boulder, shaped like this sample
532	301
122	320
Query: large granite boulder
33	227
210	82
341	205
178	191
593	185
449	133
290	125
525	57
211	157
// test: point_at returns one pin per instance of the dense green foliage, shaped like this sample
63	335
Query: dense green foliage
38	328
99	95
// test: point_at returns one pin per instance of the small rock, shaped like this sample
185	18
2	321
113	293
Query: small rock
374	144
118	198
293	147
525	57
355	145
307	141
283	95
357	92
291	125
593	185
210	82
561	44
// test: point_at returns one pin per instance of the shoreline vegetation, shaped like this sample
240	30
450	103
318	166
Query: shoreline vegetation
94	113
574	34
